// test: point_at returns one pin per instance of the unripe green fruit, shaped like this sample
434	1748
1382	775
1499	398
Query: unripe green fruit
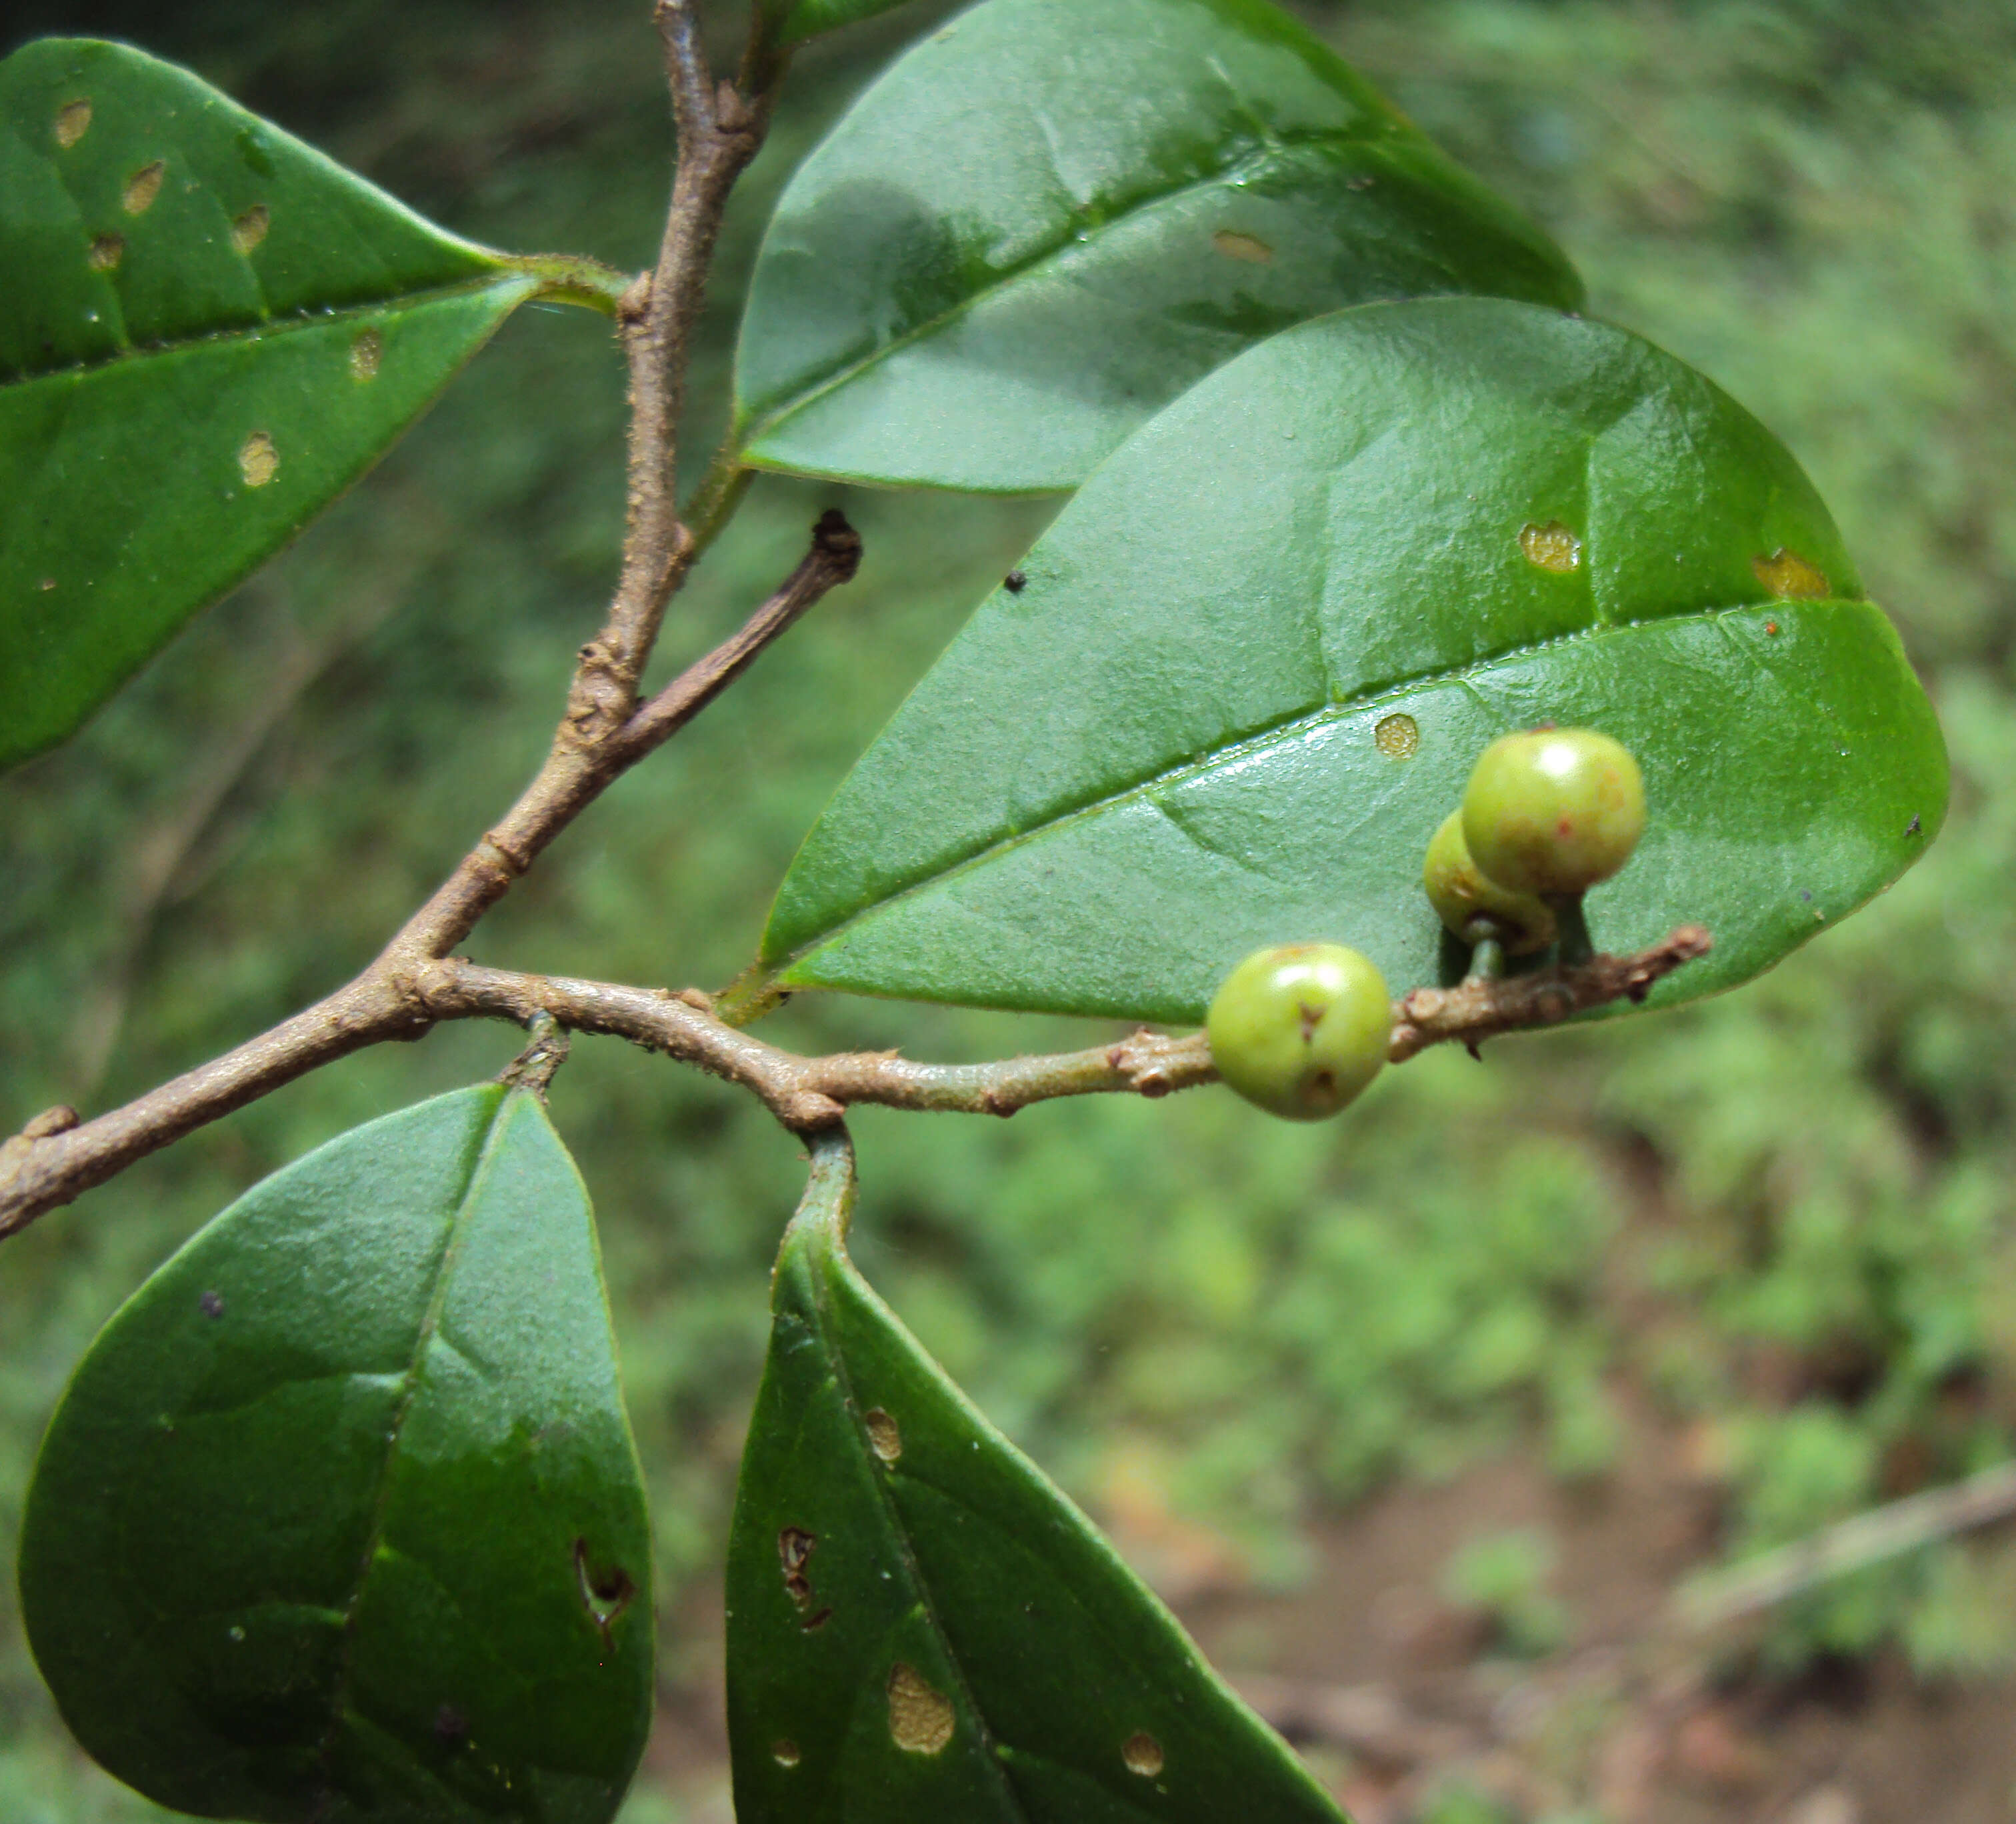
1553	811
1474	906
1300	1029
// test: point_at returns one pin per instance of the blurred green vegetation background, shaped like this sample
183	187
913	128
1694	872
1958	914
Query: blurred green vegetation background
1778	1226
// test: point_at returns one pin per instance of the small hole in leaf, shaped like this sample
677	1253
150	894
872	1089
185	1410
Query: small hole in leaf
606	1590
884	1438
1551	547
1249	248
920	1719
795	1547
72	122
257	460
785	1752
249	229
142	188
107	251
1142	1754
212	1304
1789	577
1398	737
365	352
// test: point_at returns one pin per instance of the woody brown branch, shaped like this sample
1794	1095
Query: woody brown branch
1477	1010
604	730
55	1159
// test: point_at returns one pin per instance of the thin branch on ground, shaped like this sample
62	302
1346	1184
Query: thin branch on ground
1719	1597
57	1158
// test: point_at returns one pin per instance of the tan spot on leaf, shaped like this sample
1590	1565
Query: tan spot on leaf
142	188
1398	737
365	352
107	251
257	460
1789	577
1551	547
1250	248
249	229
1142	1754
785	1752
72	122
920	1719
883	1436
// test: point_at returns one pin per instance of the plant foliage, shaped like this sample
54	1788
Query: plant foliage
1243	677
340	1519
1053	215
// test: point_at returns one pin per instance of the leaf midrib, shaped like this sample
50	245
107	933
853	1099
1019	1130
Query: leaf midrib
1254	158
415	1378
1258	741
268	329
835	1253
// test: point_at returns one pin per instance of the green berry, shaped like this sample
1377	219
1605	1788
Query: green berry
1300	1029
1554	810
1475	906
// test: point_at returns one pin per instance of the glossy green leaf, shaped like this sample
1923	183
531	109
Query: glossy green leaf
1258	654
207	332
792	21
339	1520
1052	216
920	1627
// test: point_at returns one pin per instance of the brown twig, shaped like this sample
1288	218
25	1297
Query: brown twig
604	731
415	983
1477	1010
720	130
38	1171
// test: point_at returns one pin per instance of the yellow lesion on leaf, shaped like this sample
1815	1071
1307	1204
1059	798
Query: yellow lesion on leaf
1552	547
258	461
921	1719
1142	1754
107	251
1248	247
1399	737
142	188
365	352
884	1437
72	122
1789	577
249	229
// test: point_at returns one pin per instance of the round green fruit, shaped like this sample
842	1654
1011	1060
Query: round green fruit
1474	906
1554	810
1300	1029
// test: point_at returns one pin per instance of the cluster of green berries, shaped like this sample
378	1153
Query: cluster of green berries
1547	815
1300	1029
